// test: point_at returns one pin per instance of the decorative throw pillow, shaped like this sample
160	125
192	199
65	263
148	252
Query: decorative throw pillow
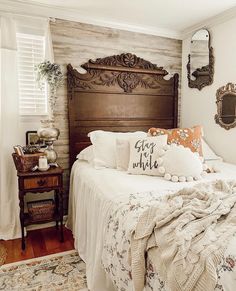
180	164
104	146
187	137
86	154
122	154
208	153
144	154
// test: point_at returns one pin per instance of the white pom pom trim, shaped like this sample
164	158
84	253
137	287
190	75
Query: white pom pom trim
167	177
182	179
161	170
189	179
174	179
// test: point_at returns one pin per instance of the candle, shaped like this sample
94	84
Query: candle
43	162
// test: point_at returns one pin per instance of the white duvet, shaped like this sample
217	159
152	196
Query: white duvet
93	194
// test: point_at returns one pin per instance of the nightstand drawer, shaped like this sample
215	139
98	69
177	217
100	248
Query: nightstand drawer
41	182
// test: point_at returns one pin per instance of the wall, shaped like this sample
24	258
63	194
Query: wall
76	43
198	107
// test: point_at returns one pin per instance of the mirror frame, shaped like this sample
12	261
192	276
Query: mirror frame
230	88
204	75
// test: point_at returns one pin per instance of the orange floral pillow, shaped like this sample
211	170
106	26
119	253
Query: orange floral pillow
188	137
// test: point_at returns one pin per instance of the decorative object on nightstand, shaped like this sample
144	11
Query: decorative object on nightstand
25	163
41	210
51	74
49	134
39	182
33	140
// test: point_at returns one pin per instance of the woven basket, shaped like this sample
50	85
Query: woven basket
27	162
41	210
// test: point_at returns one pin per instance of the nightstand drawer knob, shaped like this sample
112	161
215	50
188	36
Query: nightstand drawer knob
42	182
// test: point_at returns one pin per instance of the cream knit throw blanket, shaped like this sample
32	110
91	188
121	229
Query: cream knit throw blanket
185	236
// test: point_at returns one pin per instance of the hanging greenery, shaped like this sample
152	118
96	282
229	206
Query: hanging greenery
51	74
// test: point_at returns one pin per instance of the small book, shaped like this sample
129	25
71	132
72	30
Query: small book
18	150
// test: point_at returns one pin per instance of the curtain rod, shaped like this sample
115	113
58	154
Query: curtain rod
3	12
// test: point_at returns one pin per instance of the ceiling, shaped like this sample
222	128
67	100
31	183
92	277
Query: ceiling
170	15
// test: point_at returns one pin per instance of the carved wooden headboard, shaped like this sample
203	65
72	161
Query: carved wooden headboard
119	93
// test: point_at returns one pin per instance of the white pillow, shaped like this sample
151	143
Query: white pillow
104	146
180	164
208	153
86	154
94	134
144	154
122	154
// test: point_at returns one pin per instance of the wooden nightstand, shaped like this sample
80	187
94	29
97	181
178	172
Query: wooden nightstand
38	182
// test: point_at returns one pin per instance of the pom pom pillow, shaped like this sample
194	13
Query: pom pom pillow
188	137
180	164
144	154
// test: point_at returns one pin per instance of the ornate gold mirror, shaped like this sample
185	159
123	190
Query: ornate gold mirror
200	60
226	106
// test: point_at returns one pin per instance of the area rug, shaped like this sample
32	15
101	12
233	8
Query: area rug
3	254
63	271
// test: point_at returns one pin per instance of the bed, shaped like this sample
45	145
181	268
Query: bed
93	196
122	93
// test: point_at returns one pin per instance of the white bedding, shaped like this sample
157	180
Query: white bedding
92	195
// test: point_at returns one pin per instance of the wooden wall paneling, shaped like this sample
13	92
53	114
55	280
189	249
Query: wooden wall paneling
76	43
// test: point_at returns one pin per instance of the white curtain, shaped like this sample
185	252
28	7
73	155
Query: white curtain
10	127
9	130
49	56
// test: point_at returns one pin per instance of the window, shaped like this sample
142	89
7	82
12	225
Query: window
30	52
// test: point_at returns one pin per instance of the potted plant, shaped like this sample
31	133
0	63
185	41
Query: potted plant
51	74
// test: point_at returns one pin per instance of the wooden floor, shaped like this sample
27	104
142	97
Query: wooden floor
39	243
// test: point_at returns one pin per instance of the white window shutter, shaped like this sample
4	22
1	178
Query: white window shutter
30	52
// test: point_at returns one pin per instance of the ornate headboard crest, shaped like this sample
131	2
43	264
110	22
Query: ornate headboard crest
126	60
127	70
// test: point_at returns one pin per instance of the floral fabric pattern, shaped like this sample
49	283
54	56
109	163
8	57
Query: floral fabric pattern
188	137
116	256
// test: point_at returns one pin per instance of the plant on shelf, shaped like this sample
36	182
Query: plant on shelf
51	74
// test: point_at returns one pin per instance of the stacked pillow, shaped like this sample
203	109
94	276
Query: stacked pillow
104	146
156	154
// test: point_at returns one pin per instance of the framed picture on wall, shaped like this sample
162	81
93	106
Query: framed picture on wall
33	139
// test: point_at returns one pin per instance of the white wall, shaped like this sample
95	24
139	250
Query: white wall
199	107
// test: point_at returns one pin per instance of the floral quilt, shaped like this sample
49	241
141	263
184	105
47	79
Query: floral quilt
116	256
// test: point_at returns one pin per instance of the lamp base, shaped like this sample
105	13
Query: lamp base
50	152
54	165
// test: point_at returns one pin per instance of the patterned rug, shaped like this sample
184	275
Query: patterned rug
3	254
63	271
